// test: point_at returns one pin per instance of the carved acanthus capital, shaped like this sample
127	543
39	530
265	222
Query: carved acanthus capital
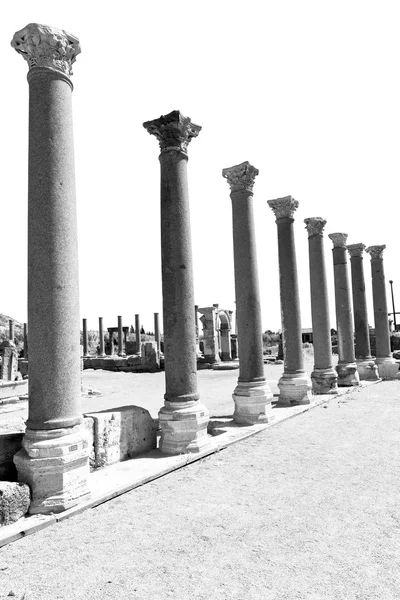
339	239
241	177
44	46
356	250
315	225
376	251
283	207
173	131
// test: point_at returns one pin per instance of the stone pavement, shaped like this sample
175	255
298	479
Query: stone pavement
307	509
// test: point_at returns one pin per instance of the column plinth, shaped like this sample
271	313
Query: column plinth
387	366
252	396
183	419
366	367
294	385
346	367
56	471
324	376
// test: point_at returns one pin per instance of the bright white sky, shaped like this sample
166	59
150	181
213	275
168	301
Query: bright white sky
308	92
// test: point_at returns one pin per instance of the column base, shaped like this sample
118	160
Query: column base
324	381
183	427
252	403
294	388
367	369
347	374
387	367
55	465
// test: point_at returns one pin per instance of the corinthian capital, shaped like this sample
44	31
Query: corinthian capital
376	251
43	46
173	131
241	177
356	250
339	239
315	225
283	207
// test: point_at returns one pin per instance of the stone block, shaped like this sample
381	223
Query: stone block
149	356
15	499
122	433
13	388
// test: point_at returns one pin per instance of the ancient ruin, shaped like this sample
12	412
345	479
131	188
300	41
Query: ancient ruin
346	367
294	385
252	395
54	458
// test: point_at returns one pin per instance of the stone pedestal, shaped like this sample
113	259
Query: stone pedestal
366	366
252	395
387	366
9	361
54	458
294	385
346	367
210	334
324	376
183	419
138	335
101	337
85	337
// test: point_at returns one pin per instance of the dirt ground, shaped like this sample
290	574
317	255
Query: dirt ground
308	509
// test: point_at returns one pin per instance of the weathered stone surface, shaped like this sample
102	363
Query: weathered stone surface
14	501
9	361
149	356
54	463
88	423
252	403
324	381
13	388
295	389
183	428
367	369
122	433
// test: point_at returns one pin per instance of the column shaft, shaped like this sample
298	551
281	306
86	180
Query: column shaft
120	337
183	419
346	367
85	337
138	335
101	337
295	384
366	366
324	376
54	458
252	396
387	366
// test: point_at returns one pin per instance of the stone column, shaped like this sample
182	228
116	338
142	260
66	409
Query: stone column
85	337
138	336
295	384
252	396
346	367
324	376
120	337
101	337
386	364
210	337
11	333
25	341
366	366
184	418
157	336
54	459
111	339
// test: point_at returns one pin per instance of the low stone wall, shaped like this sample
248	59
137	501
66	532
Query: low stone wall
147	362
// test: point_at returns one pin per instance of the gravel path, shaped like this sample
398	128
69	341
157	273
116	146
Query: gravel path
308	509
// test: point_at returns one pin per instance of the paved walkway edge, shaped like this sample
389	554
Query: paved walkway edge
112	481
